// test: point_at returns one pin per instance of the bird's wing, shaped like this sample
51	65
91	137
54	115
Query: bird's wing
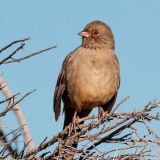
117	66
59	90
60	87
109	105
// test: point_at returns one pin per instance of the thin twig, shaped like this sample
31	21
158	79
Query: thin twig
12	43
10	56
30	55
123	100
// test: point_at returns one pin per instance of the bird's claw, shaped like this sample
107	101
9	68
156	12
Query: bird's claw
101	113
75	121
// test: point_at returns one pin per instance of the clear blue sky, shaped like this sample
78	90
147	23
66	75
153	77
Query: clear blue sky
136	27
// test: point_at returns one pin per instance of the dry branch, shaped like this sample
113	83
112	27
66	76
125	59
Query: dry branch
12	43
113	129
18	112
10	59
12	103
29	56
117	129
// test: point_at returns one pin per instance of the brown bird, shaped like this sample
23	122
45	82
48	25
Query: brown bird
90	75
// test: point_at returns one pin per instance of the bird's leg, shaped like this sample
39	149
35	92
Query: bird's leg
100	112
75	121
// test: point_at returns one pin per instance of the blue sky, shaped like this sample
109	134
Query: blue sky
136	27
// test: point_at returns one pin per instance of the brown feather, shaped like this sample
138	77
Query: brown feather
90	75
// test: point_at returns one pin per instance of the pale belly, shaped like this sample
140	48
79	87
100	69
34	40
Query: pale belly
91	85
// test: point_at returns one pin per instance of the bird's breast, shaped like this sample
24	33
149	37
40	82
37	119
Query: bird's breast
92	78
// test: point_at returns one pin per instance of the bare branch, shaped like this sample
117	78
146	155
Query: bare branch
12	43
18	112
12	54
113	126
123	100
3	113
29	56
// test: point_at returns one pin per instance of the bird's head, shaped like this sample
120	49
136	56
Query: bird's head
97	35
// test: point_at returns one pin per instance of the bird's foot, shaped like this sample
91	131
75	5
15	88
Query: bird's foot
101	113
75	121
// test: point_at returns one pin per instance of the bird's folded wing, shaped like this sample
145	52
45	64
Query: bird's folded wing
60	87
59	90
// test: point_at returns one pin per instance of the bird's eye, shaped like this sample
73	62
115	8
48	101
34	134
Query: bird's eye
95	32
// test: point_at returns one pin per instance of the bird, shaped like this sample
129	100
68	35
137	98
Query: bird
90	75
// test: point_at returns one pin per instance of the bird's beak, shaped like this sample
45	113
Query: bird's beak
84	34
